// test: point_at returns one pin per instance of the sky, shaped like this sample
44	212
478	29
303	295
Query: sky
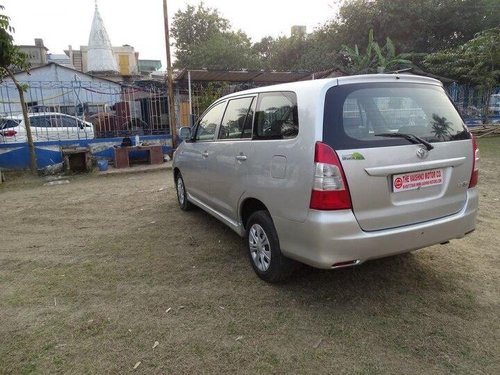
140	23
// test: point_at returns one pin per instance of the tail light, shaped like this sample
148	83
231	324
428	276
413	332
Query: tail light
8	133
475	164
330	190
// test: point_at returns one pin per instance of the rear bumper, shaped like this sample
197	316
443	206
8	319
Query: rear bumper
329	237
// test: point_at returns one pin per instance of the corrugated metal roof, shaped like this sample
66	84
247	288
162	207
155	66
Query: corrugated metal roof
48	65
257	76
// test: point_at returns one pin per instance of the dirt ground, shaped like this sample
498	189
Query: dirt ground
105	274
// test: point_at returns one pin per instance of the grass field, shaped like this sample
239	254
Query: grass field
94	272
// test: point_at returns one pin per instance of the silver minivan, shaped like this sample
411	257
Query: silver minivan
334	172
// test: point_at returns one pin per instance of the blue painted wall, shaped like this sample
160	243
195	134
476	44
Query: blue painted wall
16	155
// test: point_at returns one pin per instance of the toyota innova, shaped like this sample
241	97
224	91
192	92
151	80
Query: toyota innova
334	172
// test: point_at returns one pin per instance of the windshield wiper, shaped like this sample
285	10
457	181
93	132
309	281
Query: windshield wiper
410	137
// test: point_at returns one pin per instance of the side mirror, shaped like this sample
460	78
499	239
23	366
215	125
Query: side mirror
185	133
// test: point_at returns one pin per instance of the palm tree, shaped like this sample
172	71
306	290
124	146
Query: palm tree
440	126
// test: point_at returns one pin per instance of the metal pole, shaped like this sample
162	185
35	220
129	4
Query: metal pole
171	102
190	101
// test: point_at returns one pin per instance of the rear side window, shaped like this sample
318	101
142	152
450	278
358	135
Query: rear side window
7	123
277	116
40	122
355	114
238	118
56	121
69	122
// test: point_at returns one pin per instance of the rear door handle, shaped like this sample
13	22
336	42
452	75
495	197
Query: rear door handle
204	154
241	158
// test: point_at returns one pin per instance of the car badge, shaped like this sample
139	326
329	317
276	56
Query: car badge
422	153
353	156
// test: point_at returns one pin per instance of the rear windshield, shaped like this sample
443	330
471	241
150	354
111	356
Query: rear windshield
355	114
7	123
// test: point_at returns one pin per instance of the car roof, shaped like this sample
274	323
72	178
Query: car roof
36	114
320	84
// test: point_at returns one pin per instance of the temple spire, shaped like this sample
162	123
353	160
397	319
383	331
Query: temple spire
100	54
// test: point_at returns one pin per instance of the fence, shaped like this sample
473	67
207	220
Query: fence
83	110
477	106
66	110
202	95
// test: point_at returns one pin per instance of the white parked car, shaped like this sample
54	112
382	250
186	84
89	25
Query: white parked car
494	104
45	126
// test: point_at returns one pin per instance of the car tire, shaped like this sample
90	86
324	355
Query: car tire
180	188
264	249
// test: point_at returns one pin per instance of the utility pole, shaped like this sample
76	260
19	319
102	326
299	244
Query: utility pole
171	102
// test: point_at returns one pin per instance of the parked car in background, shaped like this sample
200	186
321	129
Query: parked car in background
45	126
334	172
473	121
494	104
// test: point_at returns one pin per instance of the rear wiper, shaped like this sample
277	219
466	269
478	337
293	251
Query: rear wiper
410	137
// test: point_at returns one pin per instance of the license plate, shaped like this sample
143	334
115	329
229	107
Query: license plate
416	180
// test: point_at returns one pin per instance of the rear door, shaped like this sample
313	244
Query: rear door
74	128
42	129
394	182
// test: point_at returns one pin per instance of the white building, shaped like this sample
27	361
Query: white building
57	88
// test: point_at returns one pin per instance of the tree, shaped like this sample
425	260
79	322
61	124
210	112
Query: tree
320	51
312	52
287	52
265	51
11	58
415	26
224	51
193	26
209	92
476	62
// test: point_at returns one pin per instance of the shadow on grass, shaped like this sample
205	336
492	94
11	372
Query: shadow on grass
398	279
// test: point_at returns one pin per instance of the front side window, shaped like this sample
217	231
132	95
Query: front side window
238	119
207	125
277	116
357	115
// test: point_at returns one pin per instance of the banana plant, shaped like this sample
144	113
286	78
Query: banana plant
375	59
359	63
386	58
